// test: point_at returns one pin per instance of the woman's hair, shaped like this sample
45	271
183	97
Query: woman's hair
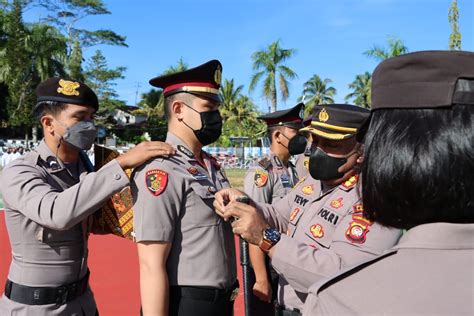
419	166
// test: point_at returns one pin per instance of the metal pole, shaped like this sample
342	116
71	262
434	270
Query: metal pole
244	262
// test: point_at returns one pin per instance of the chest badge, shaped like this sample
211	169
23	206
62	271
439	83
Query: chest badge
156	181
260	178
317	230
337	203
308	190
294	213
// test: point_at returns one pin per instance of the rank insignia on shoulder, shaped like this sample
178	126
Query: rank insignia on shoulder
308	190
337	203
306	163
260	178
185	151
156	181
351	182
317	231
265	163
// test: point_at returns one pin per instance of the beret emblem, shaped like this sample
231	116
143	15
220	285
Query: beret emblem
67	87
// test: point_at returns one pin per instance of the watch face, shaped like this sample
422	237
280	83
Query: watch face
272	235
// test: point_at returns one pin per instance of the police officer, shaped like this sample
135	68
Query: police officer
417	176
268	182
49	195
322	216
302	160
186	251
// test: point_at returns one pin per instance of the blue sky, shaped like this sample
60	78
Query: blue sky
329	36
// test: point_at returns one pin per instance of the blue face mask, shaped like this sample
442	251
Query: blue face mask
81	135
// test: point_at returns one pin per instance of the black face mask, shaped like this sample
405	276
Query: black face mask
211	126
297	145
324	167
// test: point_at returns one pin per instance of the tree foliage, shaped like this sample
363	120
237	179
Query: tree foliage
361	90
269	66
453	18
317	91
395	48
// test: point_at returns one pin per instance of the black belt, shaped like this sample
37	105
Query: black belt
60	295
281	311
205	293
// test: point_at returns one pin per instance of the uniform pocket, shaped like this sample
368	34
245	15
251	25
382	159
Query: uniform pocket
199	205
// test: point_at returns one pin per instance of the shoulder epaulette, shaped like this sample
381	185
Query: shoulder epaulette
265	163
351	182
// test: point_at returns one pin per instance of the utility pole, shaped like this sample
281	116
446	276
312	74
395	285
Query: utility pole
137	85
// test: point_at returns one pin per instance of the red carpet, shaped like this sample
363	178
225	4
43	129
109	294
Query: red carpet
114	273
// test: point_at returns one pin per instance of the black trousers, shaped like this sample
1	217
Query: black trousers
257	306
185	306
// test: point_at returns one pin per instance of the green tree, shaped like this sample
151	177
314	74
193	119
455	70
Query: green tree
270	63
75	62
317	91
361	90
102	79
453	18
230	94
395	48
180	66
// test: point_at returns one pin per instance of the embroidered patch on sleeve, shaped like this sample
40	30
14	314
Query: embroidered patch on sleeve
156	181
260	178
359	227
317	230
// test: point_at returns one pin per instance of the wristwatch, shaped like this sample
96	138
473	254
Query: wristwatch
270	237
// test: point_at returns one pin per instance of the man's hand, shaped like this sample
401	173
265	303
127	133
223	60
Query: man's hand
248	223
143	152
223	198
263	290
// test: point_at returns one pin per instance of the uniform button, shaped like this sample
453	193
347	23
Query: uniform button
117	176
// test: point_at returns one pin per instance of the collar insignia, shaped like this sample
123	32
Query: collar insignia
186	151
308	190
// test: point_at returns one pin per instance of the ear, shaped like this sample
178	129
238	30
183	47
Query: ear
177	109
276	136
47	123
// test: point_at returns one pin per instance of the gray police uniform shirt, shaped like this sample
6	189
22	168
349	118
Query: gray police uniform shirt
269	181
325	233
302	162
173	200
429	272
47	212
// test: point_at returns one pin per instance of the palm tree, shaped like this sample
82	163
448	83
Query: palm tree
180	66
395	48
318	92
361	90
270	63
229	94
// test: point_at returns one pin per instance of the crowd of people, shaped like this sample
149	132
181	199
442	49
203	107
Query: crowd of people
375	217
8	154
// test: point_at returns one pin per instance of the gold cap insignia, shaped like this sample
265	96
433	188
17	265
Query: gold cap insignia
323	115
67	87
218	75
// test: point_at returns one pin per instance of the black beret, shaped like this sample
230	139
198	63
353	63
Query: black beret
337	121
292	117
66	91
425	79
203	80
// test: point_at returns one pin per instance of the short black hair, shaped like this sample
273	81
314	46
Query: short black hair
168	101
43	108
272	129
418	166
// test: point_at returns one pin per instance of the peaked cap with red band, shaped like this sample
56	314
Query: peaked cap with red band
203	80
292	117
